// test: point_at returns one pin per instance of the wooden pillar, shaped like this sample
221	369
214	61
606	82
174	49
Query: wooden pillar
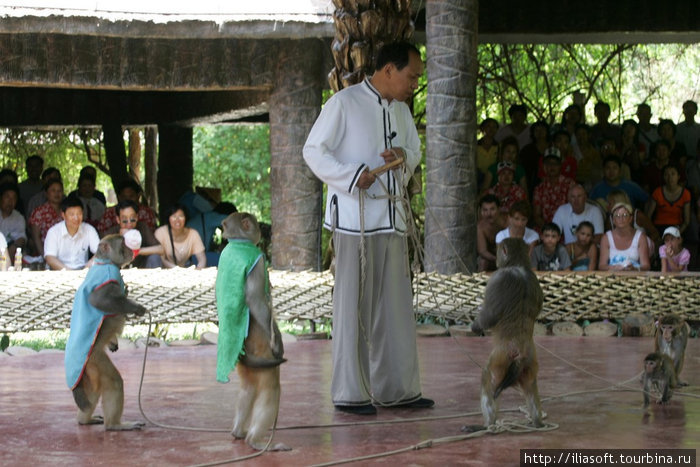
450	218
175	171
150	187
295	192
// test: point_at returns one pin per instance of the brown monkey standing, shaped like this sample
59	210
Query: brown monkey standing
512	301
670	339
659	376
98	316
244	308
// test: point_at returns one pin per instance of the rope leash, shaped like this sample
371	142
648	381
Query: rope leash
185	428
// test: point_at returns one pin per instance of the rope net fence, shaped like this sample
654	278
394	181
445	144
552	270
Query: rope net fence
31	300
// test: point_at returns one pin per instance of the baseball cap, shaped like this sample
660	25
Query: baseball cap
552	153
672	231
505	165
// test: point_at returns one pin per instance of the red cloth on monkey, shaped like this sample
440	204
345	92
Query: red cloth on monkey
235	264
86	320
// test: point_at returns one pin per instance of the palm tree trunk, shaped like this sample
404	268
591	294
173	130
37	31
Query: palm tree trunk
450	218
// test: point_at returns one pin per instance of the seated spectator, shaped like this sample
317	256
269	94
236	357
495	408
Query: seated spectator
486	147
667	131
179	243
612	180
518	218
517	128
654	172
589	169
128	189
531	154
562	142
69	243
505	190
12	223
640	220
632	152
550	255
674	258
38	199
609	148
46	215
34	165
90	172
583	252
670	203
568	216
623	248
127	212
552	191
93	207
508	152
490	223
570	119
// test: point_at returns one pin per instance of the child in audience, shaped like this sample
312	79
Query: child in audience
674	258
518	216
583	252
506	190
550	255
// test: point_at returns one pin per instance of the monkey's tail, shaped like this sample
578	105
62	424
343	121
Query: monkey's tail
81	398
510	378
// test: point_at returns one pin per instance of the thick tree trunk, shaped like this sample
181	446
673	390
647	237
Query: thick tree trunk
151	162
135	154
450	218
296	192
115	152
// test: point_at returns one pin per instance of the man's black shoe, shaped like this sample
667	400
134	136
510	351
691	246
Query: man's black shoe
422	403
367	409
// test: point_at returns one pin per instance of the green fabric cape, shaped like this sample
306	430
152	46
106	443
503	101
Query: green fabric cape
235	264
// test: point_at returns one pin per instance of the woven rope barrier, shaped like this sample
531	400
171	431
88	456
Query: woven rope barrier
43	300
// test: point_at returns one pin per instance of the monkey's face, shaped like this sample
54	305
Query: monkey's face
667	332
650	366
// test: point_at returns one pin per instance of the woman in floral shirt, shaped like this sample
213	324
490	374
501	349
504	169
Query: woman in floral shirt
46	215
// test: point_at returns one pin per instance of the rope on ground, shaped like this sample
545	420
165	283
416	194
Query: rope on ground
500	426
186	428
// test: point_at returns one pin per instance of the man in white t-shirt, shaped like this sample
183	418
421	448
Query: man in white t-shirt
568	216
68	243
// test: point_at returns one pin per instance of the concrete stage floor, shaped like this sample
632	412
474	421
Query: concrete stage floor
38	427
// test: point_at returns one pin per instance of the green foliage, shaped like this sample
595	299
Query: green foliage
67	150
235	158
546	77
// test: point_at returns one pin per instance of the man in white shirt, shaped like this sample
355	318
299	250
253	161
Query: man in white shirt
362	127
68	243
568	216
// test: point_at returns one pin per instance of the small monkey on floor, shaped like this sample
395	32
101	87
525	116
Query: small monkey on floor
658	377
98	316
244	308
512	301
670	339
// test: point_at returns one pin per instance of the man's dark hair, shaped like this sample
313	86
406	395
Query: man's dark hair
489	199
551	227
536	125
9	187
666	121
71	202
34	157
129	183
614	159
397	53
601	104
9	173
517	108
127	203
49	171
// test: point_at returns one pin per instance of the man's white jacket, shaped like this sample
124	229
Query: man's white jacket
355	126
